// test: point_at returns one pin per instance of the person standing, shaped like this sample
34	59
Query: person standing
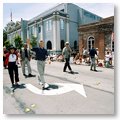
11	58
25	60
67	53
97	57
107	60
92	54
85	54
4	57
41	55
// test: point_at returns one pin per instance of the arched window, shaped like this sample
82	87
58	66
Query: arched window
90	42
62	44
75	44
49	45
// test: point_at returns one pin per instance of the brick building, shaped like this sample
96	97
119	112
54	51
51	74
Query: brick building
99	34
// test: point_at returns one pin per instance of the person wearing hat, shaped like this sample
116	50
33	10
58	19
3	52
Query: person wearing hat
67	53
11	58
25	56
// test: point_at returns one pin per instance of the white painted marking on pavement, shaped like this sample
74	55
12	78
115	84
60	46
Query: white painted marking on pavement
65	87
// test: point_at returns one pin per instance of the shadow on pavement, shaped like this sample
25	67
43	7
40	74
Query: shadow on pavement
21	86
51	87
99	71
73	73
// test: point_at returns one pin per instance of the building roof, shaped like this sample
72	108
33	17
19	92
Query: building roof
47	16
47	12
102	21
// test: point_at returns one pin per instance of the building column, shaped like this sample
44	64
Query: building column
101	48
67	30
54	32
81	44
58	33
41	34
22	35
35	29
28	33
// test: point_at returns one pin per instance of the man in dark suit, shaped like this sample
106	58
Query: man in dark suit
25	59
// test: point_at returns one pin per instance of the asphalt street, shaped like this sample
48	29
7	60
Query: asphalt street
84	92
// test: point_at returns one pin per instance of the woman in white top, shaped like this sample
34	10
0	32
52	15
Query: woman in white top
12	66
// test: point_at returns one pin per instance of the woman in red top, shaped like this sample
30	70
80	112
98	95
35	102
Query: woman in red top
11	59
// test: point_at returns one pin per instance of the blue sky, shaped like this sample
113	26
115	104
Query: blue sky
30	10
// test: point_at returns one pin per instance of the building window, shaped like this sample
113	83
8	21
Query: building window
90	15
49	45
62	10
32	30
61	24
62	44
39	29
90	43
48	25
75	44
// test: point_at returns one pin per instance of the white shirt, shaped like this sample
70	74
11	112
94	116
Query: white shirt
85	52
12	58
107	57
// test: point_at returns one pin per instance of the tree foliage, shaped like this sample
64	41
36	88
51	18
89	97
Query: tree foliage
33	41
4	37
18	42
7	43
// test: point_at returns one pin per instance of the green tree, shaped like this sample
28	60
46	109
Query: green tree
4	37
7	43
33	41
18	42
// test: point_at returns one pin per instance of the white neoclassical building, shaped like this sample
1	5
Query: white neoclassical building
56	26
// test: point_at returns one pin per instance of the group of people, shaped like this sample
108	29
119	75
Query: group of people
78	59
25	55
11	57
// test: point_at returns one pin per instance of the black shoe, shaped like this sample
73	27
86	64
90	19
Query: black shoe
13	85
64	70
25	75
30	75
17	85
71	72
95	70
5	68
91	69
